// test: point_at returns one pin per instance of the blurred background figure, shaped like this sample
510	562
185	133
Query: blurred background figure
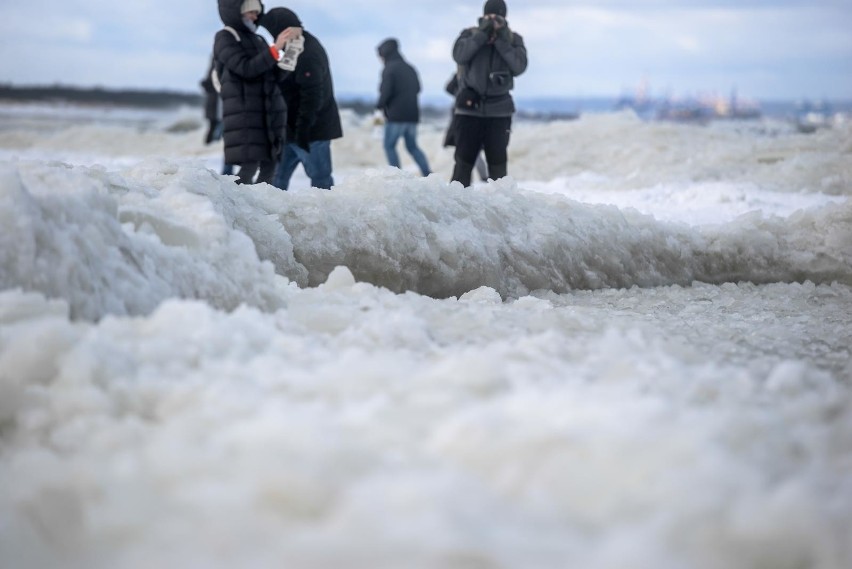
313	119
213	113
398	102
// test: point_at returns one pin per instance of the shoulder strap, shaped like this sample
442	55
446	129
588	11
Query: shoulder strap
215	74
217	82
233	32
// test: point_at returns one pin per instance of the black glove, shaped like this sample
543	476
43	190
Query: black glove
212	133
503	33
486	25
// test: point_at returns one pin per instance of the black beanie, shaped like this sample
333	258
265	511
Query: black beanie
495	7
279	19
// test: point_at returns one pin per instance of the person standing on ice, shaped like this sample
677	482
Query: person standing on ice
213	113
398	94
313	119
489	57
253	110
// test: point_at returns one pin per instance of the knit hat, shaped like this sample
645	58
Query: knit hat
495	7
251	6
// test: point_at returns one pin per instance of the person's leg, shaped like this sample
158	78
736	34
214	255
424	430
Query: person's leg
247	172
289	161
450	136
318	164
468	144
496	144
393	131
227	169
267	172
410	136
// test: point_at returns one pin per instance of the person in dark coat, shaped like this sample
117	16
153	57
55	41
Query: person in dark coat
489	57
313	119
253	109
212	107
213	113
398	94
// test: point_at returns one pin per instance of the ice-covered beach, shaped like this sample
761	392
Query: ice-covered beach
635	353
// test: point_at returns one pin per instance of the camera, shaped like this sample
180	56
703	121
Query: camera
486	24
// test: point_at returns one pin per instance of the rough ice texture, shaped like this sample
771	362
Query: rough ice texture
115	243
191	377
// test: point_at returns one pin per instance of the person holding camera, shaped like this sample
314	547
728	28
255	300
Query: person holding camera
489	57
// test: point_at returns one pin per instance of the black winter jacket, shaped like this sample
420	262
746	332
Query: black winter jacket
312	112
489	70
253	110
399	88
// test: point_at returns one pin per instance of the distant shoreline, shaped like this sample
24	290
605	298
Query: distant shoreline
99	96
138	98
535	108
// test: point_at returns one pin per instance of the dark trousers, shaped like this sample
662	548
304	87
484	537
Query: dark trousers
475	134
248	170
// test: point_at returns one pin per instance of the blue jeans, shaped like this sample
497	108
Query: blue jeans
408	131
317	164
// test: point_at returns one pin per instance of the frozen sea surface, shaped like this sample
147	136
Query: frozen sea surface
635	353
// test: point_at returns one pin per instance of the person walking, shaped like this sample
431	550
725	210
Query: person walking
313	119
398	94
252	106
489	57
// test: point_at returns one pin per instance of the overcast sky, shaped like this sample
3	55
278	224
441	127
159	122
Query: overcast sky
779	49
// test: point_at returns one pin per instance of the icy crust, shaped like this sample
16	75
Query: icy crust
359	428
618	151
405	233
121	243
109	245
612	152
